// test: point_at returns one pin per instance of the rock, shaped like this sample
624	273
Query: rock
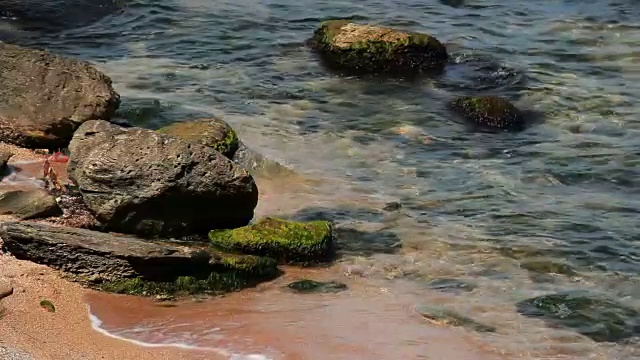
142	182
4	162
547	266
439	315
213	132
311	286
47	305
454	286
371	49
5	289
55	15
286	241
125	264
29	204
489	112
45	97
589	314
392	206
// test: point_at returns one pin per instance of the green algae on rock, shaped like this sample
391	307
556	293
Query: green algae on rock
227	272
489	112
287	241
587	313
213	132
129	265
372	49
306	286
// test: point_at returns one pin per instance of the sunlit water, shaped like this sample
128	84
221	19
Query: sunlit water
474	205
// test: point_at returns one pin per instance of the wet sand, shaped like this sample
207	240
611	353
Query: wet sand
364	322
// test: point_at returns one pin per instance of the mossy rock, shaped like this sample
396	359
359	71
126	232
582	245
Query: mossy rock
589	314
287	241
306	286
212	132
47	305
489	112
442	316
228	272
368	49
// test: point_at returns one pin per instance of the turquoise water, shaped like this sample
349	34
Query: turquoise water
475	206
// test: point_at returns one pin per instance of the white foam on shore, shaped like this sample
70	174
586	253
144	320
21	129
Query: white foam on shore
96	324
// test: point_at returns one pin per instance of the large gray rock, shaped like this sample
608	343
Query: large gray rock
45	97
126	264
143	182
53	15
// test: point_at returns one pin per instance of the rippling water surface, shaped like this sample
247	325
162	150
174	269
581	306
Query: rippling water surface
475	206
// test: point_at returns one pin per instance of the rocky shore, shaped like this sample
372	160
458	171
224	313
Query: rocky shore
169	213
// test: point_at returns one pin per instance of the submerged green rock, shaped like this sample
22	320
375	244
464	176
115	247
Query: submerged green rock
489	112
440	315
287	241
589	314
213	132
306	286
228	272
362	48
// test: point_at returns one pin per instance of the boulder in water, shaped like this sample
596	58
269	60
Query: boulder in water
143	182
284	240
125	264
489	112
368	49
45	97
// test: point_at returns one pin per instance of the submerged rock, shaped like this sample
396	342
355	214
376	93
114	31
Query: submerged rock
439	316
213	132
311	286
45	97
587	313
547	266
29	204
125	264
489	112
142	182
52	15
370	49
454	286
5	289
286	241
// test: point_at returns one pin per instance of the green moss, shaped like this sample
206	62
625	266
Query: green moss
412	53
286	241
227	272
214	133
489	111
47	305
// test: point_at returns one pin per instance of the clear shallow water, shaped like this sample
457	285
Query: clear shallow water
475	205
